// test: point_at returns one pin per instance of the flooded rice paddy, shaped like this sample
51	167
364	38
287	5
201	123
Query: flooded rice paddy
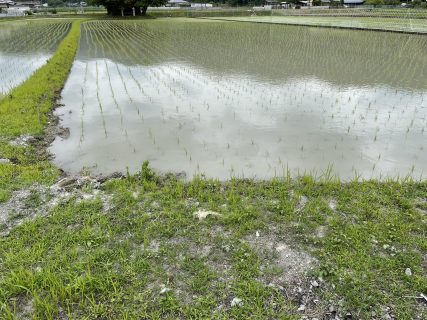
25	46
396	24
249	100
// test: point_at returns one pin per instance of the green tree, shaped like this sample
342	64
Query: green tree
128	7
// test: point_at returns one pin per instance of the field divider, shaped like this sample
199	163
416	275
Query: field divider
25	113
26	108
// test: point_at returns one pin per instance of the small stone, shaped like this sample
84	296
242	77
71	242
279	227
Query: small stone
64	133
4	161
408	272
21	141
155	205
87	196
236	302
332	205
331	309
281	247
226	248
314	283
165	290
115	175
86	181
257	234
66	182
320	231
190	202
301	308
203	214
302	202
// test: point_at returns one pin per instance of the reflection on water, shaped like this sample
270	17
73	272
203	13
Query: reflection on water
223	100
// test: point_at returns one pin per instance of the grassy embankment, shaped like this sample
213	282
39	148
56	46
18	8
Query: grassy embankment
137	251
131	248
25	112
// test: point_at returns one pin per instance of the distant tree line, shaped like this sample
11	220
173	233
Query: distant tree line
128	7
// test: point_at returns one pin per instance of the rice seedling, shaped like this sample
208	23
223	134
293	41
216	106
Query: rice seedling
99	100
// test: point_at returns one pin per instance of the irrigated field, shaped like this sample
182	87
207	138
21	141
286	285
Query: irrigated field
395	24
25	46
223	98
236	99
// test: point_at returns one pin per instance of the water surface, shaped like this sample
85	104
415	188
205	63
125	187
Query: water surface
235	99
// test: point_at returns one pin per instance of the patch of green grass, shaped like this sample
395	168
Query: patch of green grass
4	195
14	177
148	256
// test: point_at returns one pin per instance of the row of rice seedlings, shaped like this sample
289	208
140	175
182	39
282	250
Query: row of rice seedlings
83	104
116	104
99	101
